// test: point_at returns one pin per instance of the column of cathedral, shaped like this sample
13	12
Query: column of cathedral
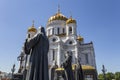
58	56
76	53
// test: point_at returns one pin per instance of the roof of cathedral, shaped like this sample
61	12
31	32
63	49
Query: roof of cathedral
32	28
70	20
80	38
57	16
60	16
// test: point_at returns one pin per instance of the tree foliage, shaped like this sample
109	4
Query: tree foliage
100	76
117	75
110	76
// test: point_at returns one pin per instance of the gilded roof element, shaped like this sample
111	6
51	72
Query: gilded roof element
71	20
79	38
57	16
32	28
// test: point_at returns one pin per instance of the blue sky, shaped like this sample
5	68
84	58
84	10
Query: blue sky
97	21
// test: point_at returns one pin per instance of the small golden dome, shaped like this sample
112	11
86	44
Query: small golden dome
79	38
57	16
70	20
32	28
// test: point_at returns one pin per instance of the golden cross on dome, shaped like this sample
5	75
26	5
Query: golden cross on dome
70	14
58	8
33	23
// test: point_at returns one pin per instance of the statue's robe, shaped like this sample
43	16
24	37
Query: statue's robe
67	64
37	47
79	72
52	73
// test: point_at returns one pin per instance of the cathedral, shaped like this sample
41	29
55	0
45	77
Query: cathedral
62	34
63	37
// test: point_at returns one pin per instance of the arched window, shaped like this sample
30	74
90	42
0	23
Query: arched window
70	42
58	30
70	30
53	54
53	39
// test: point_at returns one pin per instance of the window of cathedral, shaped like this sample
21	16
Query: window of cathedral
70	42
58	30
50	31
63	30
53	31
53	39
53	54
86	57
70	30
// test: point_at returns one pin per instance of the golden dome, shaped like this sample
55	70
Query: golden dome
57	16
79	38
70	20
32	28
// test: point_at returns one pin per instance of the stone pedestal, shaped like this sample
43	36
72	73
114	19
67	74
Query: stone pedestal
18	76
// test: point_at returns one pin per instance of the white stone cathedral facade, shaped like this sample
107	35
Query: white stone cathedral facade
62	35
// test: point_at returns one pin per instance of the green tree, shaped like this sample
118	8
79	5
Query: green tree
117	76
110	76
100	77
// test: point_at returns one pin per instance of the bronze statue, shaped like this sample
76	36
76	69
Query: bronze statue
78	71
52	73
67	65
37	47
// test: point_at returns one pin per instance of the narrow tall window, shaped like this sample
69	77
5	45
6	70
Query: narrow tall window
53	54
70	30
53	31
63	30
58	30
86	57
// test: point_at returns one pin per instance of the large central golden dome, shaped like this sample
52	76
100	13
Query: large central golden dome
57	16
